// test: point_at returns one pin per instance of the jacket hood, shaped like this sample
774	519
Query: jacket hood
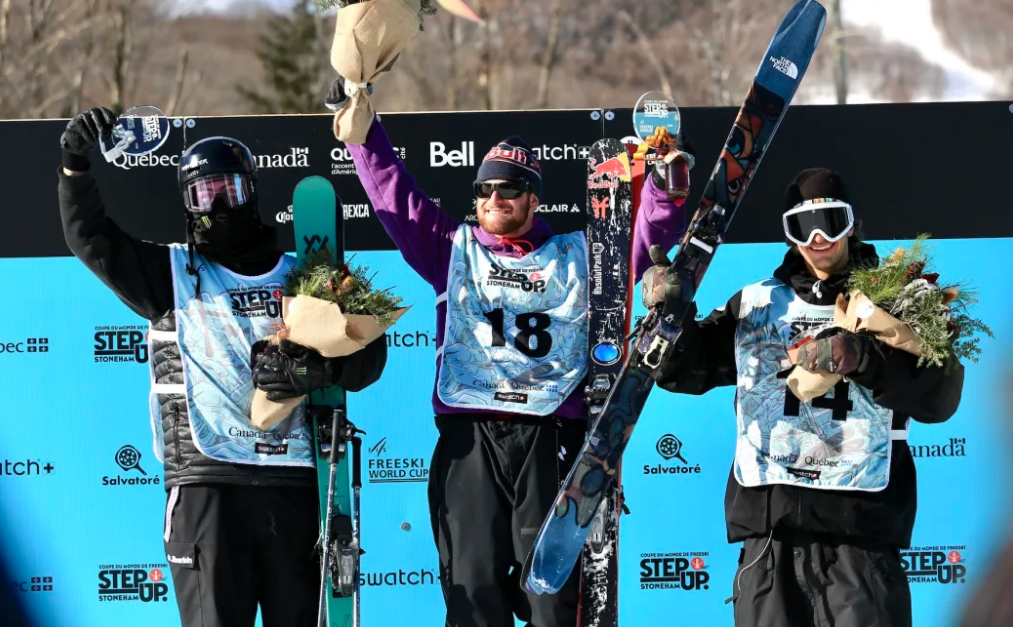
793	272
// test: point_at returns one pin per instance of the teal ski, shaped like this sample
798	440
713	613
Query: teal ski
317	215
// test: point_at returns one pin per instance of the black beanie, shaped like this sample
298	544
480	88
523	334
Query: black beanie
815	183
513	160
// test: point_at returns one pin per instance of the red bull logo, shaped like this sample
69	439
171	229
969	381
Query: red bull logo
609	172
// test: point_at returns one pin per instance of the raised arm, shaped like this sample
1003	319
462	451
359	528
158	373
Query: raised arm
420	229
138	272
659	221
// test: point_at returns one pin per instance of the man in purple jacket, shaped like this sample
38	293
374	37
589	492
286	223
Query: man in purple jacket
512	301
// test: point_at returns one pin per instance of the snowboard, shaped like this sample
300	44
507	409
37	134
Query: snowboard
609	237
318	220
560	540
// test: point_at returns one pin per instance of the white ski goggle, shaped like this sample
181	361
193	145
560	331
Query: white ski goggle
829	217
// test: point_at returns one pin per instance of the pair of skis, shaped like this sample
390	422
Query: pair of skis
588	493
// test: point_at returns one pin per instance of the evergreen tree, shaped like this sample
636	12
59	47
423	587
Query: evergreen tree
295	59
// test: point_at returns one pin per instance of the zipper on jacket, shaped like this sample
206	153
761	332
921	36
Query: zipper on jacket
175	439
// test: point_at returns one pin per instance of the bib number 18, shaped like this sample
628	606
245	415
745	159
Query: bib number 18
531	326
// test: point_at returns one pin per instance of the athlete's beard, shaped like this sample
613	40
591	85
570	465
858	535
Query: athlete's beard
498	224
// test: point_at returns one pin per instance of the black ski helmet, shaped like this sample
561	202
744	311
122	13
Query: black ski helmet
217	155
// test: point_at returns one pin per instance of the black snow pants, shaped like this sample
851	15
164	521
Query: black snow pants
233	547
492	482
794	579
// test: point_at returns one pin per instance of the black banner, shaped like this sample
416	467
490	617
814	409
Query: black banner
911	168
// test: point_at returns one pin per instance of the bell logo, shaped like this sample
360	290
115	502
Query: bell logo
439	156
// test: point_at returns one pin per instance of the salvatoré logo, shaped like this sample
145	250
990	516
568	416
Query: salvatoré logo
121	344
128	458
685	570
36	583
25	468
935	564
26	345
133	582
669	448
384	469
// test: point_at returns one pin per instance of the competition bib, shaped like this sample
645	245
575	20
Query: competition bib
840	441
215	335
516	331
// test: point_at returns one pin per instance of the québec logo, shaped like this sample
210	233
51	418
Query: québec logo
38	583
27	345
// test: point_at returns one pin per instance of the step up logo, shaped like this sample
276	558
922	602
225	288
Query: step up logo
256	302
935	564
684	570
669	448
128	458
133	582
121	344
385	468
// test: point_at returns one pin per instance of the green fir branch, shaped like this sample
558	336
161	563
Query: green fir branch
345	285
906	287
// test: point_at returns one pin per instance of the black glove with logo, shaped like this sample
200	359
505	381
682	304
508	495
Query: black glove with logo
660	282
288	370
835	350
82	136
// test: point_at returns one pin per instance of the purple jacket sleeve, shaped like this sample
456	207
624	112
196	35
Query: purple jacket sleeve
420	229
659	221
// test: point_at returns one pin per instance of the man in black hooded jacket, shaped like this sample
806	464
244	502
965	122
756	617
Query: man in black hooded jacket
821	493
242	508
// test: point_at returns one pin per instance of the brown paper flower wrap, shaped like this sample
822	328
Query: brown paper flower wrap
369	36
904	307
320	323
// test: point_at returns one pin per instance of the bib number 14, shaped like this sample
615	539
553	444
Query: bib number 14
531	326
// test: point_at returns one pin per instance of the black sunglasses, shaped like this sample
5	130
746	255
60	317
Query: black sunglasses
508	190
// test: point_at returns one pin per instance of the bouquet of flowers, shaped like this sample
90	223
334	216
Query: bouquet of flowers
369	37
331	309
906	307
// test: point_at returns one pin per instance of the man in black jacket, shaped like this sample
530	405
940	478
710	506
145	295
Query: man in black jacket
822	494
241	519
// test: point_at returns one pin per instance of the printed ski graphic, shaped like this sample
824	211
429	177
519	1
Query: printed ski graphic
609	237
558	544
319	222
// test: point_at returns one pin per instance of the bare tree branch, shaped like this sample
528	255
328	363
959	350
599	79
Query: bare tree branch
550	56
649	54
179	83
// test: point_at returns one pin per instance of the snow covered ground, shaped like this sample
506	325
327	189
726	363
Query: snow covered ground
903	21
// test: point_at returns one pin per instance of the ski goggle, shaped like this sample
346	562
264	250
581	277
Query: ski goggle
234	190
508	190
829	217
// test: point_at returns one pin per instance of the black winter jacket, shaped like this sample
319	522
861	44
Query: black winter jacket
140	274
704	358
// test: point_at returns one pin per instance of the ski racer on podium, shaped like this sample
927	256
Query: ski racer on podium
512	305
822	494
241	519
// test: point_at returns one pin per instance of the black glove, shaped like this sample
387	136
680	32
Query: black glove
835	350
82	136
336	96
660	282
289	370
